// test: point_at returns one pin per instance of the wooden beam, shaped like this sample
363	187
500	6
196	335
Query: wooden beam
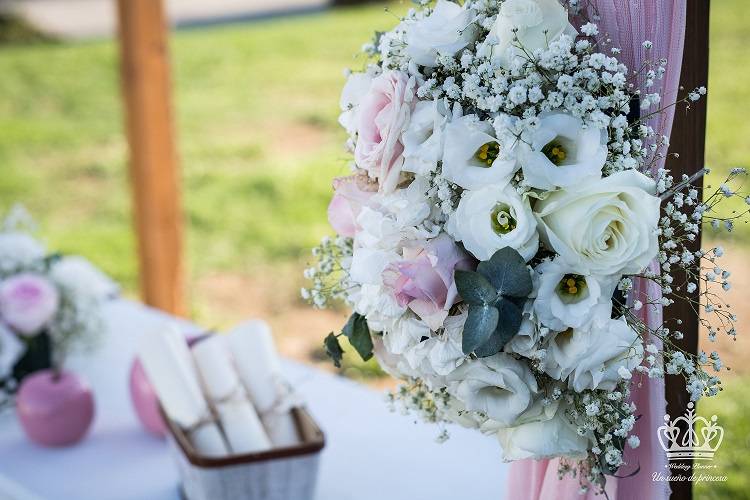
689	140
154	170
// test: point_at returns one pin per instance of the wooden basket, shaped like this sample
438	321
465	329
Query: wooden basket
278	474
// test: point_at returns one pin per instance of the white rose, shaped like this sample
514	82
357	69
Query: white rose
561	152
356	87
565	299
393	364
473	156
591	357
405	334
492	218
424	137
77	274
603	227
538	23
448	29
430	355
499	386
445	353
368	264
547	438
382	115
379	306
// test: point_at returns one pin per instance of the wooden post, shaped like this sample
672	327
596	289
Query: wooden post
689	140
153	160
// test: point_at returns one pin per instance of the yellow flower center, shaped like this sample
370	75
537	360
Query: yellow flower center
502	220
572	285
487	154
555	151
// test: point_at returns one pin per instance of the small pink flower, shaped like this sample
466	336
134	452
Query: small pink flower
423	280
383	115
27	303
351	194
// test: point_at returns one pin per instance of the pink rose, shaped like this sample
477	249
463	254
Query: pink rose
351	194
423	280
28	302
382	117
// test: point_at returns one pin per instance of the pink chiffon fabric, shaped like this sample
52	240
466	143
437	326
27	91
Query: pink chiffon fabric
628	23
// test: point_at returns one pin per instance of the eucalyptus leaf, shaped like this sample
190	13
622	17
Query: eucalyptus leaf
507	272
481	322
508	324
358	333
474	288
333	349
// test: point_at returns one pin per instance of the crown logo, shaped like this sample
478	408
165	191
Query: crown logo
699	442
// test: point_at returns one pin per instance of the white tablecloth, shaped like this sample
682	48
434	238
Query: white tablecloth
370	453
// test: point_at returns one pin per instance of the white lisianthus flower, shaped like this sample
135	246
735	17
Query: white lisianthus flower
543	438
356	87
565	299
561	152
591	357
603	227
447	30
473	156
424	137
525	341
456	412
492	218
538	23
499	386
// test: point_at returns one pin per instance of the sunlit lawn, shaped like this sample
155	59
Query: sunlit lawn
256	109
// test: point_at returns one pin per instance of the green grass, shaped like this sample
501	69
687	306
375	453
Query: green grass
15	30
732	459
256	108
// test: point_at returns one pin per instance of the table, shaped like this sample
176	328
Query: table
371	453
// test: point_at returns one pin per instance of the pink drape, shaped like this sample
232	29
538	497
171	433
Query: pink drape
628	23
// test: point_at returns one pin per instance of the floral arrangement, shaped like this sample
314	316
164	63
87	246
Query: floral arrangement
48	303
503	230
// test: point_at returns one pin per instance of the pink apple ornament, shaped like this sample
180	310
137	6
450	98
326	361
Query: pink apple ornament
55	408
145	401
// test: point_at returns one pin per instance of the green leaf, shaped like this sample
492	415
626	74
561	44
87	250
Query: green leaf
508	324
507	272
480	323
333	349
474	288
358	333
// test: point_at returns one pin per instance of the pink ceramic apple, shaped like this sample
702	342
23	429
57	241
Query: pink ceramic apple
55	408
145	402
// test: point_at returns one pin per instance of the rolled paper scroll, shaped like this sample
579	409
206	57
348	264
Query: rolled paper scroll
166	359
257	362
238	418
208	440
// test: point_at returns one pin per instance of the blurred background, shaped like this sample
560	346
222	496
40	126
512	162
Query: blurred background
255	87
